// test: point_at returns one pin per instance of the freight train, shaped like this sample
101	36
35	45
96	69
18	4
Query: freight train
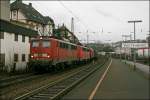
49	53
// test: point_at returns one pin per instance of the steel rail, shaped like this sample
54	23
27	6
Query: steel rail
14	77
18	79
57	89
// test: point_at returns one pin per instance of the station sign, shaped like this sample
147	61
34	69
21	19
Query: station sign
134	45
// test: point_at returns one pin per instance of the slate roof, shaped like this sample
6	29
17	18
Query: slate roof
6	26
47	18
31	13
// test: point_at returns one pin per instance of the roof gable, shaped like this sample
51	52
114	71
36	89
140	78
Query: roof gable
31	13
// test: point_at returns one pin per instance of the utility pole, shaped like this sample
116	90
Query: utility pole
134	21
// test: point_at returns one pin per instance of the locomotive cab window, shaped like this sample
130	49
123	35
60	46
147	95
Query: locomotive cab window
35	44
46	44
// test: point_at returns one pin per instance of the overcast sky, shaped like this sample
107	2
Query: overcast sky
104	20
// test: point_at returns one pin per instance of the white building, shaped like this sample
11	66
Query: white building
14	46
127	48
134	45
25	15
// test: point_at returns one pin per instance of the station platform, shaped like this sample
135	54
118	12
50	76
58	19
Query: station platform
144	69
119	83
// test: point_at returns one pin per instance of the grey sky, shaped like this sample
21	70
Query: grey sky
98	17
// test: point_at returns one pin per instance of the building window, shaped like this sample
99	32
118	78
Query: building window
2	60
16	37
2	35
15	57
23	57
29	56
14	13
23	38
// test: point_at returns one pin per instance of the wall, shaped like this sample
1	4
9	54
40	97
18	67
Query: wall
30	24
21	17
9	47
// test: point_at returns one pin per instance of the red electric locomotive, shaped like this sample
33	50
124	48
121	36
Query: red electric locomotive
48	52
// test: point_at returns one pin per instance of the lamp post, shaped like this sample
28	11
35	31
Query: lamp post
134	21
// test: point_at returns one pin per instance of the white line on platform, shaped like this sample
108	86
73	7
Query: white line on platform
99	82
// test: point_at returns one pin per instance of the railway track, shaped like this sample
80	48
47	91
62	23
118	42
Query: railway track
57	89
17	79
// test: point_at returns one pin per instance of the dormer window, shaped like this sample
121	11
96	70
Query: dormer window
14	13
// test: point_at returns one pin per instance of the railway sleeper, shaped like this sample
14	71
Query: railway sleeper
43	94
70	82
54	90
48	96
70	79
65	84
76	78
48	92
37	98
59	88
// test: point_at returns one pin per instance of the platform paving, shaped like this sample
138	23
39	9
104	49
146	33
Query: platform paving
142	67
120	83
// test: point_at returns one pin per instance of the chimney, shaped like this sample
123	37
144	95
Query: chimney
30	4
19	1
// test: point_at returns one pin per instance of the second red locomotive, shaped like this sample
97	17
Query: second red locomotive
47	52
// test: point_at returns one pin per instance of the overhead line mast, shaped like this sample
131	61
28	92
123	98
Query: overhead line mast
134	21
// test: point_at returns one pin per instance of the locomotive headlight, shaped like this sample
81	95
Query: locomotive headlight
48	56
31	56
40	37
